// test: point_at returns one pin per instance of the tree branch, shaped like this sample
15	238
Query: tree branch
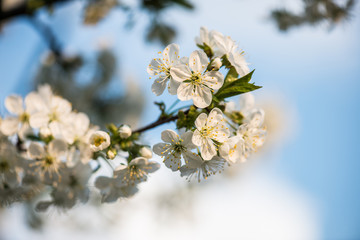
158	122
27	8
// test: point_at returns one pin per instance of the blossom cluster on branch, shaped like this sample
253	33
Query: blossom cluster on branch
47	147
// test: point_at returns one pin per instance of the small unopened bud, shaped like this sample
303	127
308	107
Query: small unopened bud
216	64
111	153
145	152
125	131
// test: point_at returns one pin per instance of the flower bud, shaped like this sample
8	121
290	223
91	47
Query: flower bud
99	140
216	64
111	153
145	152
125	131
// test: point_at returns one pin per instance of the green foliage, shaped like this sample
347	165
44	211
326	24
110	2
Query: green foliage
236	87
231	76
187	119
207	49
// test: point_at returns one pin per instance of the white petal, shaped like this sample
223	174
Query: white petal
172	162
201	121
173	86
180	72
185	91
9	126
215	117
60	105
192	160
187	140
197	139
34	103
158	86
57	147
24	131
81	123
14	104
154	66
202	97
169	136
39	119
171	53
198	61
207	149
213	79
238	61
246	101
160	148
36	150
224	150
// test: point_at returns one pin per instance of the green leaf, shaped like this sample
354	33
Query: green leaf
236	87
231	76
187	120
207	49
237	90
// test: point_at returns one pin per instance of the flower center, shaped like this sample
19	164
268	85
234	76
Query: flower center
98	141
24	117
196	79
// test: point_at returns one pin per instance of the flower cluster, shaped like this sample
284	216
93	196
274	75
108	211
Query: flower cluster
49	149
212	137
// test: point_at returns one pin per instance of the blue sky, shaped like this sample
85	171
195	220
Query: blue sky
316	69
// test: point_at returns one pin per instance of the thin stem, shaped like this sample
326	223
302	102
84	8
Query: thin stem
173	105
158	122
180	109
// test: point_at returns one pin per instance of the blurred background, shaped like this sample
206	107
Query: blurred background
303	184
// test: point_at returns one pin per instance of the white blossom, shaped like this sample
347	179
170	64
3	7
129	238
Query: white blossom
233	150
145	152
51	111
111	190
209	129
196	84
199	169
125	131
71	188
99	140
160	68
174	147
48	158
226	46
19	121
207	37
136	171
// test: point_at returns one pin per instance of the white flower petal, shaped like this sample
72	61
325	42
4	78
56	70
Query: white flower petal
198	61
9	126
36	150
154	67
180	72
173	86
60	105
185	91
213	79
173	162
171	53
202	97
207	149
57	147
201	121
187	140
238	61
169	136
192	160
158	86
34	103
197	139
161	149
39	119
14	104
